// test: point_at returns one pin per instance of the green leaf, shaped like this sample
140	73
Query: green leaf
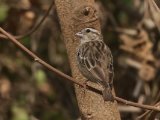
3	12
40	77
19	113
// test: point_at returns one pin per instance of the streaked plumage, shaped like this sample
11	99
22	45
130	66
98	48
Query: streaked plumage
95	60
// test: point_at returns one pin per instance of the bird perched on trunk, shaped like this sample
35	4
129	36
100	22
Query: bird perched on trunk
95	60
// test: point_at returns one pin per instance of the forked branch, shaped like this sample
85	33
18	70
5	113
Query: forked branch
66	77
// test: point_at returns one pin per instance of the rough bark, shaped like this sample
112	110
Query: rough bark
75	15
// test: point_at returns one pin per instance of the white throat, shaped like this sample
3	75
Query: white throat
85	39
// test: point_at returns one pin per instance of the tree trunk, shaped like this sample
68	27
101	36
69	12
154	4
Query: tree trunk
75	15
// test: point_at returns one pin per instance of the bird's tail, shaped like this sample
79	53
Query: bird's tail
107	94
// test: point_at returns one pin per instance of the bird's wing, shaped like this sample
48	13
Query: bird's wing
110	66
93	58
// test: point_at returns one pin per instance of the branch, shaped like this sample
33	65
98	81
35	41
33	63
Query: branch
66	77
37	59
35	27
147	112
149	107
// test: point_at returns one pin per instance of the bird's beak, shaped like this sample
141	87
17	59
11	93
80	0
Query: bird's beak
79	34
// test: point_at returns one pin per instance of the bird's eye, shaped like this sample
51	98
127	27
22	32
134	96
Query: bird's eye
88	30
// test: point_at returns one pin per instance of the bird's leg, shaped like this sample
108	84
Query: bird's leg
85	86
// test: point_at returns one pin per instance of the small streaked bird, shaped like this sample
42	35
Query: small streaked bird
95	60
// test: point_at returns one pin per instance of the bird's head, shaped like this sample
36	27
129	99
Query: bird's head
89	34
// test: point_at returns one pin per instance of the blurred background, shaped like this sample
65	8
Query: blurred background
131	28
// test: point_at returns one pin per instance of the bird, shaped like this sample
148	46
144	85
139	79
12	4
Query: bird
95	61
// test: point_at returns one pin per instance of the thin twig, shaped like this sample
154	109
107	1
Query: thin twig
66	77
155	103
147	112
35	27
149	107
37	59
2	36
